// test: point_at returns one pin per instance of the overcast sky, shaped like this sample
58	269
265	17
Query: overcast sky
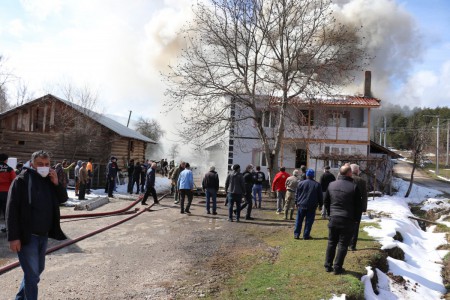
119	48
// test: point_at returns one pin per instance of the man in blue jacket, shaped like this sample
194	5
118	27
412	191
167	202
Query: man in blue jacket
185	185
150	185
32	216
307	197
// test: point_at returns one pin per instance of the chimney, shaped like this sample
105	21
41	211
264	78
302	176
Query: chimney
367	84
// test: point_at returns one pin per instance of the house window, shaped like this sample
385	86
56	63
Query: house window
303	117
20	142
130	146
269	119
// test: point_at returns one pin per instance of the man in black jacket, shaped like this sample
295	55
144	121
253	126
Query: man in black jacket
343	207
210	185
235	188
32	216
150	185
325	180
248	180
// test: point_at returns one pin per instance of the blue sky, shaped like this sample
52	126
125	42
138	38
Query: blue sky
119	48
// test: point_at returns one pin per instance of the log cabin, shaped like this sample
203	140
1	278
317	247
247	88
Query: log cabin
68	131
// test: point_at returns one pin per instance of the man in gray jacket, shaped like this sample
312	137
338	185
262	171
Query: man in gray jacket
235	188
291	188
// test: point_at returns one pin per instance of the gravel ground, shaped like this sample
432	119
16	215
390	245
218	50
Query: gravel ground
160	254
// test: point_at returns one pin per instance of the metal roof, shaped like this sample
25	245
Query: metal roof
109	123
338	100
118	128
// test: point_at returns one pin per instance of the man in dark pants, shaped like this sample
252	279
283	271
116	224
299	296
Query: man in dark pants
307	196
235	188
210	185
136	177
32	216
361	184
150	185
130	171
112	175
185	185
325	180
343	206
248	180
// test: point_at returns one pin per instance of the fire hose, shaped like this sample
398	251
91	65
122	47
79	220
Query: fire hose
15	264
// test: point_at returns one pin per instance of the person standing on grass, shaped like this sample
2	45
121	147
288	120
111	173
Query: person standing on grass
307	197
150	185
235	188
291	188
185	185
210	185
343	206
325	180
32	216
258	179
361	184
279	186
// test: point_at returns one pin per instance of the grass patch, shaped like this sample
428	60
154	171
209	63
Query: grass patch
297	271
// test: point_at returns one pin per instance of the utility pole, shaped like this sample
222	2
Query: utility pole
448	130
437	141
129	116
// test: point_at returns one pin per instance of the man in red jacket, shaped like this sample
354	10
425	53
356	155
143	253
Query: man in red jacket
7	176
279	186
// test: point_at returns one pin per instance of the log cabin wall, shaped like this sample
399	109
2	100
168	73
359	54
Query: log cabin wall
126	148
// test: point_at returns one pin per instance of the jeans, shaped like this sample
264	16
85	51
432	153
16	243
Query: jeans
211	193
234	198
309	214
257	191
340	237
32	260
280	200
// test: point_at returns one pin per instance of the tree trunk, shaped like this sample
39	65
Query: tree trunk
411	181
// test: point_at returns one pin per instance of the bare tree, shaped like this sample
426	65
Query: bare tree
256	57
5	77
174	150
22	93
150	128
420	139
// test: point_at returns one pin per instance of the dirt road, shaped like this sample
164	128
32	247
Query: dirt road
160	254
403	170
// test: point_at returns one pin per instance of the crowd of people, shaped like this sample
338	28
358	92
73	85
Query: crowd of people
30	197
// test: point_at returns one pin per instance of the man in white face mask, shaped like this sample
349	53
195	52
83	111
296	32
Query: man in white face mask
32	216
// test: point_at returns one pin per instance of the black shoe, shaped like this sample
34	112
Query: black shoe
111	196
230	220
249	218
182	212
143	203
308	238
214	213
187	211
352	248
208	213
339	271
237	220
296	237
328	269
156	202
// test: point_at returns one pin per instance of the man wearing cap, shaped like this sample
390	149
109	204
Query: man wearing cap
291	188
325	180
210	185
235	188
307	196
279	186
343	206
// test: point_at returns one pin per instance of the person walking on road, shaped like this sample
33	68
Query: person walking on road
150	185
235	188
248	180
279	186
343	206
185	185
361	184
258	180
32	216
176	173
308	196
210	185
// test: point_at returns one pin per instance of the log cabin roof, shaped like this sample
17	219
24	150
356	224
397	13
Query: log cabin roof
109	123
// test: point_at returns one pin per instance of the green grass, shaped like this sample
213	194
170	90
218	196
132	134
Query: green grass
297	272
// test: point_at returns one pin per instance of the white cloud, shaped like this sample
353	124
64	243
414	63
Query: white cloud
42	8
16	27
